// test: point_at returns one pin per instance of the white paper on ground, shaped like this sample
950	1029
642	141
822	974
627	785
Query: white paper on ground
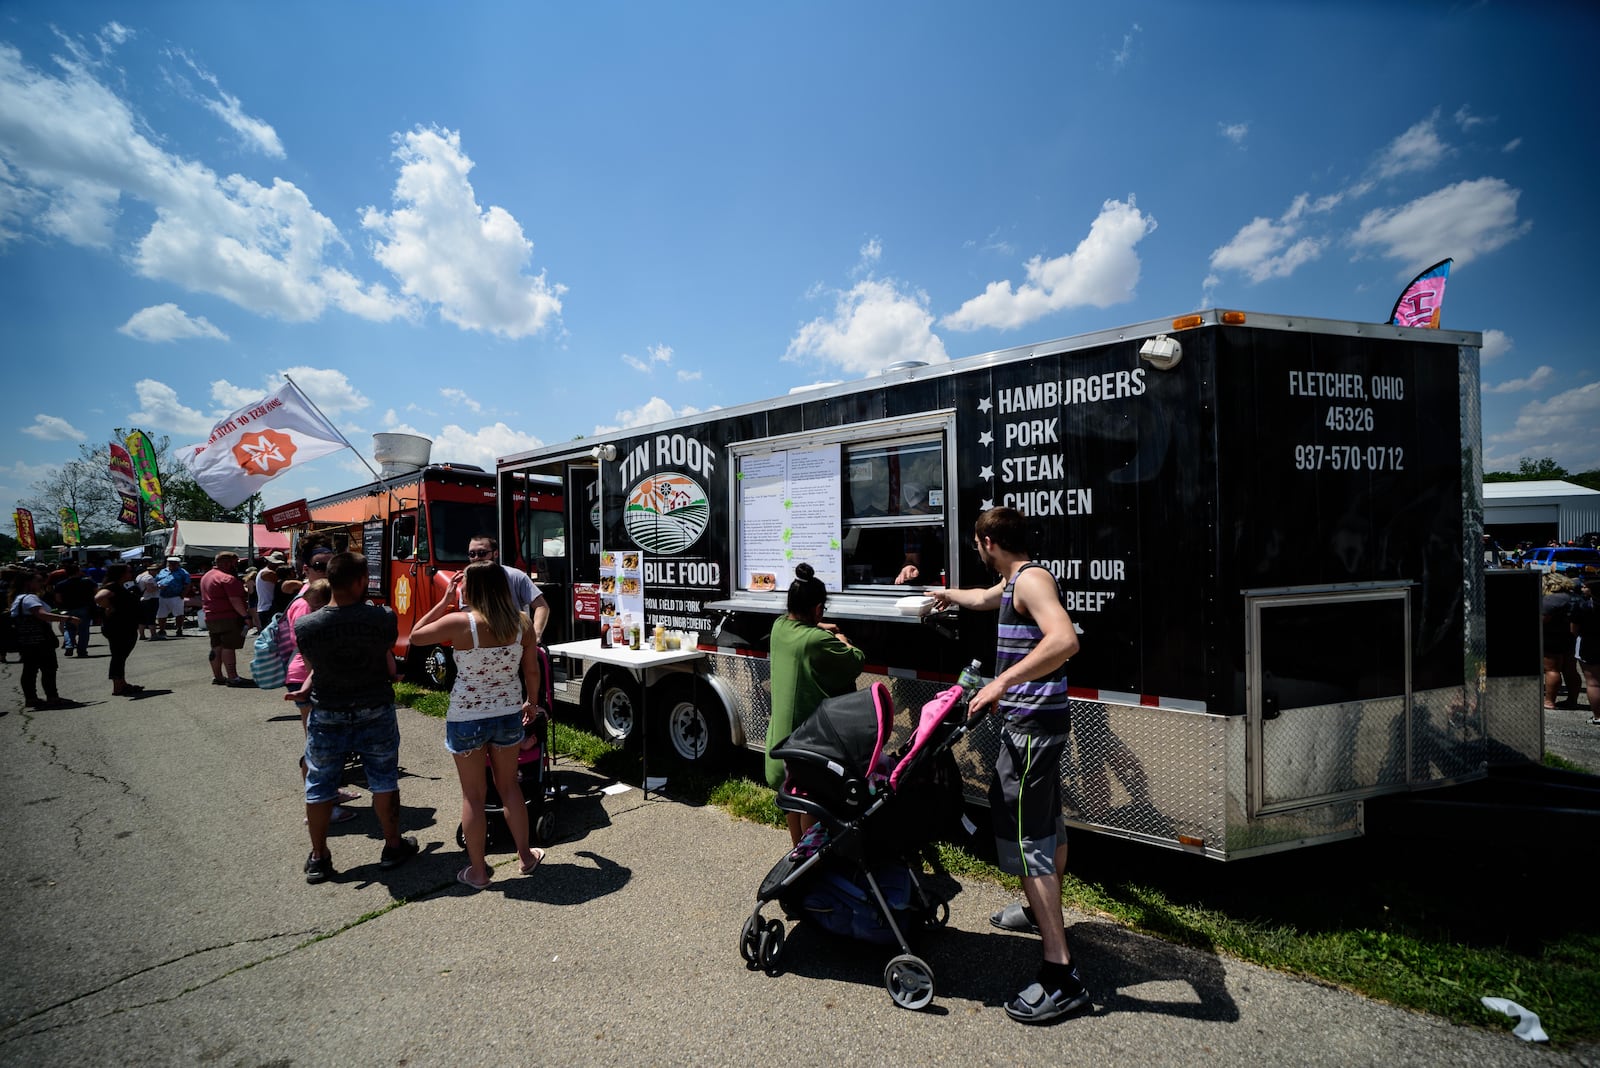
1527	1028
616	788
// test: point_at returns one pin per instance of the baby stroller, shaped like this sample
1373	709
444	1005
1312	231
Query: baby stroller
858	872
540	794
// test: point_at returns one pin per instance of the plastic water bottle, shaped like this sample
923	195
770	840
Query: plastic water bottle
970	680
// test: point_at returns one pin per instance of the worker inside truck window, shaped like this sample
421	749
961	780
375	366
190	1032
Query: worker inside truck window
454	524
894	514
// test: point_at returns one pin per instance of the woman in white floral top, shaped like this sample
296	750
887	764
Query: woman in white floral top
497	662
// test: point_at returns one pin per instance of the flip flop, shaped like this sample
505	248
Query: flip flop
1036	1005
464	877
346	796
538	858
1014	917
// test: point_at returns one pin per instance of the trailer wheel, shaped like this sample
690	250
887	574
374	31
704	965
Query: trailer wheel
433	666
694	721
615	705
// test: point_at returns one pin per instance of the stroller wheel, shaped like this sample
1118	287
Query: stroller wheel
750	941
544	828
938	915
461	836
909	981
771	947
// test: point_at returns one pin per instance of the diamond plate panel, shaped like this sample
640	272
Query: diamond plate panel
1448	740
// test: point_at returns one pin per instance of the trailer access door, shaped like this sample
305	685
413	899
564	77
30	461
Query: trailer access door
1329	676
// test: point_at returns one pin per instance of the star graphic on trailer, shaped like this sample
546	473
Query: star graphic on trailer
987	472
984	405
985	438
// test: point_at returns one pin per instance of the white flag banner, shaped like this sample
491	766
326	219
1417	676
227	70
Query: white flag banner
258	443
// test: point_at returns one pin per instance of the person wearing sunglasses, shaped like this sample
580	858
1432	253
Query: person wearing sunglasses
528	597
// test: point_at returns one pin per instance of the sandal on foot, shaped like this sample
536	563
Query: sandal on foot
1014	917
340	814
1036	1005
464	877
538	858
344	797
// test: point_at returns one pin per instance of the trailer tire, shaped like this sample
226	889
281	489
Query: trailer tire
614	704
692	722
433	666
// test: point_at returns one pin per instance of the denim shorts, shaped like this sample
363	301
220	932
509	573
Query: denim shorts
331	736
503	732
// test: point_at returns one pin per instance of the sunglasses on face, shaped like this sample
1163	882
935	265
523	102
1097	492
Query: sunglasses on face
479	554
318	565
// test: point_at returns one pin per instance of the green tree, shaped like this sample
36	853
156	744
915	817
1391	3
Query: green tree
1529	470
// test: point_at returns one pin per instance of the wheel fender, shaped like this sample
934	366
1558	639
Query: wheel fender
719	689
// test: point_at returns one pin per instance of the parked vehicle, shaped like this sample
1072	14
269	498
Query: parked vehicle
1565	560
413	525
1265	528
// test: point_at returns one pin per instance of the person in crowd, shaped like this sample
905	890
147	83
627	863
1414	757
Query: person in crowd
1560	666
267	588
31	618
1585	626
118	600
222	599
497	663
1035	640
316	551
346	647
149	597
811	660
10	578
74	595
172	582
527	596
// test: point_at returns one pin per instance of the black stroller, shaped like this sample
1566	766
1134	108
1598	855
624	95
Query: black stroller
540	794
858	872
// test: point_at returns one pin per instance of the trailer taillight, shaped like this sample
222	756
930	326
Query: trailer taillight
1187	322
1233	318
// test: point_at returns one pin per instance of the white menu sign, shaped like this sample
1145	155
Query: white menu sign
789	505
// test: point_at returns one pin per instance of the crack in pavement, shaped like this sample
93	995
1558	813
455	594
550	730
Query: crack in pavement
55	757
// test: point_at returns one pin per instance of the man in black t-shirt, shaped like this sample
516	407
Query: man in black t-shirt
346	645
75	597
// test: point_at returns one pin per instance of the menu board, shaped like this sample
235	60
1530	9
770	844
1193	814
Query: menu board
789	513
372	549
622	594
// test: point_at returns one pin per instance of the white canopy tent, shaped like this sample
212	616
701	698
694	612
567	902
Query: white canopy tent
190	538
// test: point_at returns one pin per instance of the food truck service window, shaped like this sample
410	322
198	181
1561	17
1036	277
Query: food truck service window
868	511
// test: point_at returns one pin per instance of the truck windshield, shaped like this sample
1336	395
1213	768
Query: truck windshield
452	524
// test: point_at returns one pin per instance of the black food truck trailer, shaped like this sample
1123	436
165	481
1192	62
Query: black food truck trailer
1266	530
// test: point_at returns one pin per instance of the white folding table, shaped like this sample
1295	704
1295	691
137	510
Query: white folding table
642	663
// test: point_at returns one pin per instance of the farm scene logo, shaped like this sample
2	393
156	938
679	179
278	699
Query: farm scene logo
666	513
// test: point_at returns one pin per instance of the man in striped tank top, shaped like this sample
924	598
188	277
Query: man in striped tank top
1035	640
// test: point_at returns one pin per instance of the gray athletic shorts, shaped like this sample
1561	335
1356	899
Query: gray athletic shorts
1025	801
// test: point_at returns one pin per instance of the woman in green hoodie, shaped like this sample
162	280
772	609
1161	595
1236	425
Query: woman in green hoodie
810	661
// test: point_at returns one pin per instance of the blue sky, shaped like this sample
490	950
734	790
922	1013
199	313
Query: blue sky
504	225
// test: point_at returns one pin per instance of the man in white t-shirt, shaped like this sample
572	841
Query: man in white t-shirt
523	590
148	595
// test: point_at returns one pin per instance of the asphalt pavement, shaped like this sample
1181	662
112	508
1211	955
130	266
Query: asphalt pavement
154	912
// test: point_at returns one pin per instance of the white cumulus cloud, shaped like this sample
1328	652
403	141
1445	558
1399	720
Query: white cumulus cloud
654	410
160	409
443	248
1562	427
872	325
1540	376
256	133
168	322
1465	220
1496	343
1234	131
1103	270
459	396
1418	149
53	428
329	389
1264	249
73	150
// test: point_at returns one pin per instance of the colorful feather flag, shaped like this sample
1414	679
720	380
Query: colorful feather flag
69	527
127	484
24	521
143	455
1420	301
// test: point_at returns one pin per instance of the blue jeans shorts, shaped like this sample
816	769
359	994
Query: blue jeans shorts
503	732
331	736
